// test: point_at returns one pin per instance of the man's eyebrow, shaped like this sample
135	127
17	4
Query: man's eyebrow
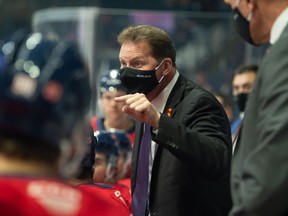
137	58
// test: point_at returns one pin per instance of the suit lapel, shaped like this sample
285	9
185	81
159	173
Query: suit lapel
174	99
175	96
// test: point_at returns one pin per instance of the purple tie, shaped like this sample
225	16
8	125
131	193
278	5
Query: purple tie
140	195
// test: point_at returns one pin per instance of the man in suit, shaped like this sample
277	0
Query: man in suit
259	172
190	151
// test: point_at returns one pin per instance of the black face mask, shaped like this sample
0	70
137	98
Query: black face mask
141	81
242	26
240	100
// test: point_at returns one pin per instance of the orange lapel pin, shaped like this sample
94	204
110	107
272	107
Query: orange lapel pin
169	112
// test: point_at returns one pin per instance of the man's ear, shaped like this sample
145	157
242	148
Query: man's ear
167	66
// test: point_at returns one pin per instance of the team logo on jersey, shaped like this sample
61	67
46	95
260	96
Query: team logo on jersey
56	198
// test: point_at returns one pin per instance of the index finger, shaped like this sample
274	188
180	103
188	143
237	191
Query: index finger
123	98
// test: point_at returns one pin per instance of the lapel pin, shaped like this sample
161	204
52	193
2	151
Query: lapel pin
169	112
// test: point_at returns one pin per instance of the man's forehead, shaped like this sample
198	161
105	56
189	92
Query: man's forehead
243	79
137	46
246	74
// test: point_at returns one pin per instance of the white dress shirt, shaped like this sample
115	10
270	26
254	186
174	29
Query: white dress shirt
279	26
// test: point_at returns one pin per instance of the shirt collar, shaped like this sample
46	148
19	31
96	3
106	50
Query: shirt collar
278	26
160	101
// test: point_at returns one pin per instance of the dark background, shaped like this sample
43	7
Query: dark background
17	13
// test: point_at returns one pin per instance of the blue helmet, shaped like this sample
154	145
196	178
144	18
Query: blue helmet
114	143
111	82
124	145
122	140
45	93
106	145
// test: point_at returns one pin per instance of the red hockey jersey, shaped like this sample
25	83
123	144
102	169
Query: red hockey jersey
112	194
29	196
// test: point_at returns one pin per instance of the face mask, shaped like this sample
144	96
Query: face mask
240	100
242	25
141	81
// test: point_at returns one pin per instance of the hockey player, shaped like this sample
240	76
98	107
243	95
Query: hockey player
110	87
44	99
107	153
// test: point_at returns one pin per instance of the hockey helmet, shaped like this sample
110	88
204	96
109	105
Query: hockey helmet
111	82
45	94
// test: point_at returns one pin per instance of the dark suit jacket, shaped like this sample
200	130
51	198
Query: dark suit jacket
190	174
259	173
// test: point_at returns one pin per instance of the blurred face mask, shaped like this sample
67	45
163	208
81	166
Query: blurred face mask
242	24
141	81
240	100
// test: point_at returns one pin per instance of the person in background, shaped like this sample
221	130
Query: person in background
44	101
124	158
110	86
84	179
106	158
259	173
104	173
182	165
108	161
242	83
